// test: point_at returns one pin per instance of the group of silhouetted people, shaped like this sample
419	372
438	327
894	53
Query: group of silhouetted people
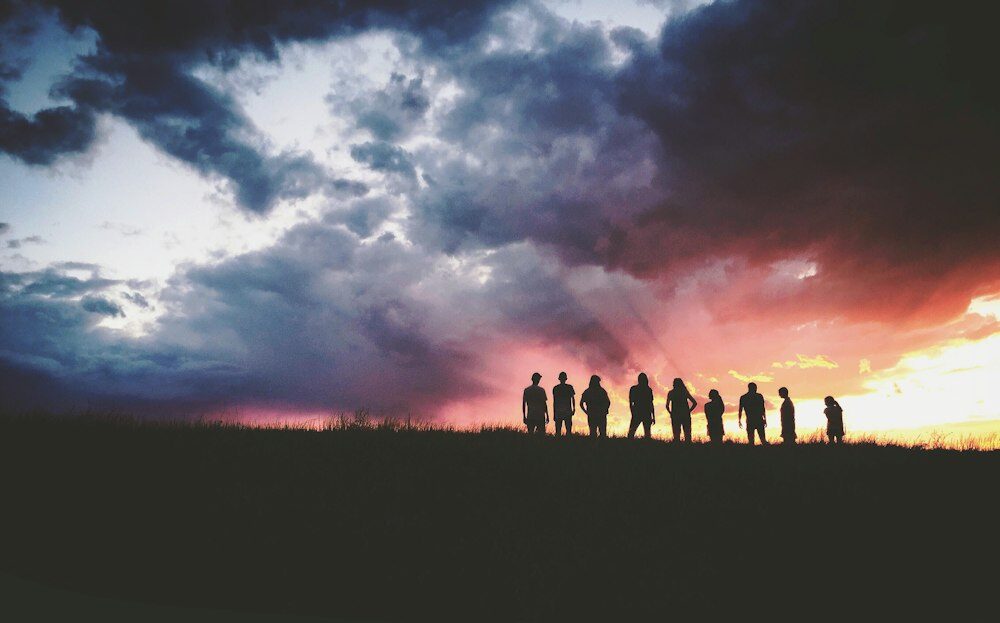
680	404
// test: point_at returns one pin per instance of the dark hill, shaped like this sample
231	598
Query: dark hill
387	524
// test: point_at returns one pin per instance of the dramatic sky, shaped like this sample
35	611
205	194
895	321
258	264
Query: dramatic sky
239	209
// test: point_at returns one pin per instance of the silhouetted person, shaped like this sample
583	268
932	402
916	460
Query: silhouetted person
595	403
679	406
563	405
787	417
714	409
640	402
752	404
535	406
834	420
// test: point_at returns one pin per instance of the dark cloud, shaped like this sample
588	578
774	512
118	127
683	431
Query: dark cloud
197	125
43	137
384	157
757	159
141	72
535	148
321	320
102	306
55	283
137	299
4	228
19	242
364	216
859	136
390	114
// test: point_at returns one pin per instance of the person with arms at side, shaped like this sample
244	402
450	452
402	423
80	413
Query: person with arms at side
535	406
563	405
714	409
752	404
834	420
640	402
787	417
595	403
679	406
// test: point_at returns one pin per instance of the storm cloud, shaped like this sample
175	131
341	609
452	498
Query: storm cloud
142	68
528	182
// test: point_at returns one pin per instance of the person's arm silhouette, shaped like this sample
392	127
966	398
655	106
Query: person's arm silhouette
694	403
739	414
652	407
524	407
670	395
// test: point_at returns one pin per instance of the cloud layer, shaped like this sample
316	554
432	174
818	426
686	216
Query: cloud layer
531	185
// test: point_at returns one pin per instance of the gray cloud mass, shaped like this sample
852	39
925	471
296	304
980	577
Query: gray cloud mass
860	137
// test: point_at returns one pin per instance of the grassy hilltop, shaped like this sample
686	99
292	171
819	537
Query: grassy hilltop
378	523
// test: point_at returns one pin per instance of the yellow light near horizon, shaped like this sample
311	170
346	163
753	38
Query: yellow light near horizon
948	384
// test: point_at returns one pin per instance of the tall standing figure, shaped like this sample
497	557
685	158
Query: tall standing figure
752	404
714	409
535	406
834	420
679	406
563	405
595	403
640	402
787	417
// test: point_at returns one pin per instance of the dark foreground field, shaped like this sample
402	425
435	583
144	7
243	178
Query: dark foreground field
418	525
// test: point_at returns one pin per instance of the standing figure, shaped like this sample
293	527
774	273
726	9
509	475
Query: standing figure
834	420
535	406
714	409
640	402
595	403
752	404
787	417
679	406
563	405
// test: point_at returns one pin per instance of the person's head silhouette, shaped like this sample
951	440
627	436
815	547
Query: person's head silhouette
595	381
783	392
643	379
713	394
562	377
830	401
535	378
752	388
679	384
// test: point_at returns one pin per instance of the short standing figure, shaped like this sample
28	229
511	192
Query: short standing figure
595	403
563	405
679	406
787	417
834	420
752	404
714	409
640	402
535	406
